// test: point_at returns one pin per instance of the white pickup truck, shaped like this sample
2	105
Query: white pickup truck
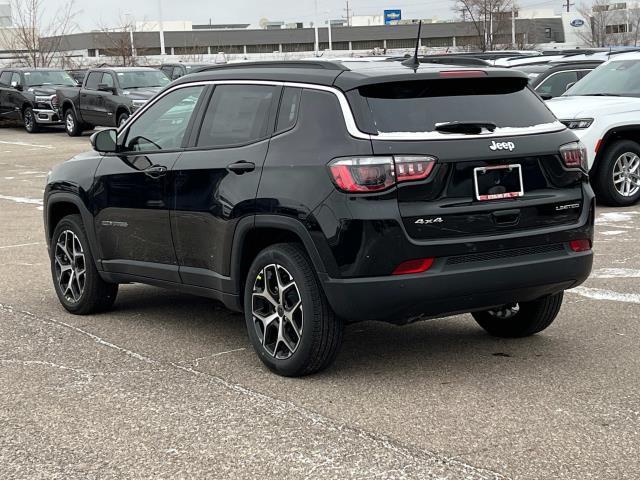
603	109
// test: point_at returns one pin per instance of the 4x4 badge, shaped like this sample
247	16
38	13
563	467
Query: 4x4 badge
502	146
429	221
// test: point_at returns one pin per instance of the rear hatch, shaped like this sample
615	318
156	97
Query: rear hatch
496	146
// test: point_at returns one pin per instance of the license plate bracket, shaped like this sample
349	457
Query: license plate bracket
498	182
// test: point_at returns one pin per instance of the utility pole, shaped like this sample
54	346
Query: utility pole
568	5
513	24
329	30
162	50
348	10
315	31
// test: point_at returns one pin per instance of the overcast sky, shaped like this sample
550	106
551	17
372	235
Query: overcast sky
93	13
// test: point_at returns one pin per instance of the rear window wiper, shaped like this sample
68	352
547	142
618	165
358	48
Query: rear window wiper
467	128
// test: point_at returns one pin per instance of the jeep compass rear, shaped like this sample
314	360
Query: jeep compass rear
310	194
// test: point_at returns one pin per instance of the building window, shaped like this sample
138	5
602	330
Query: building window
622	28
401	43
367	44
265	48
228	49
297	47
334	45
190	50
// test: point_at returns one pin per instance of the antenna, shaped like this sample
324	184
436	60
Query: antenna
413	62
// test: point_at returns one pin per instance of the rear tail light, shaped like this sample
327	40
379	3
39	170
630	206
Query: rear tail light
574	155
583	245
374	174
413	266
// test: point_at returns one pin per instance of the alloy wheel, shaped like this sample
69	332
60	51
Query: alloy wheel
28	120
70	122
508	311
626	174
70	266
277	311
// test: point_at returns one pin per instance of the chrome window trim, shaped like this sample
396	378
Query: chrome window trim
347	114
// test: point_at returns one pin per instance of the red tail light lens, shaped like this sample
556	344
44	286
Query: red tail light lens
413	266
374	174
574	155
580	245
413	168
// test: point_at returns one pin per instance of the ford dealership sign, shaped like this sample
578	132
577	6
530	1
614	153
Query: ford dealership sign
578	22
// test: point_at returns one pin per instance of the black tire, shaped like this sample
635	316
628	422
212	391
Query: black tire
96	294
86	126
71	124
531	318
321	330
122	118
603	180
29	120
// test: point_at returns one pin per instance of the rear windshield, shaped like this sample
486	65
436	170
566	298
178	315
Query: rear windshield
418	106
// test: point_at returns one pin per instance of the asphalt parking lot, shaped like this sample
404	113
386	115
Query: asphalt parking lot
166	385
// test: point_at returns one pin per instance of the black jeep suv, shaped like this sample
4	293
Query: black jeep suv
309	194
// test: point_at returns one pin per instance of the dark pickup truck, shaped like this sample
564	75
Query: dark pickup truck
28	95
108	97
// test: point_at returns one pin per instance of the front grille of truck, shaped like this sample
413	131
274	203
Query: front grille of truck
514	252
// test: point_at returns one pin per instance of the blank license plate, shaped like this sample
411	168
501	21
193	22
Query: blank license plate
502	181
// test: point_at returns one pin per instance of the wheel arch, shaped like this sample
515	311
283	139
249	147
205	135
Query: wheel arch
58	206
254	234
624	132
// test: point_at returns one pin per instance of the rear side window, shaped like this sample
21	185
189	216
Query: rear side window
418	106
289	105
93	80
237	115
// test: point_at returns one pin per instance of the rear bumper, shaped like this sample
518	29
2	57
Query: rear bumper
449	287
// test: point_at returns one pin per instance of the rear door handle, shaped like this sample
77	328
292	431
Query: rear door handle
156	171
241	167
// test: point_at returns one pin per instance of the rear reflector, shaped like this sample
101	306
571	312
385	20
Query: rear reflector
580	245
413	266
463	74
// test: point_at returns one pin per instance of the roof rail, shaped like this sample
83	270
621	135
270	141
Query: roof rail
321	64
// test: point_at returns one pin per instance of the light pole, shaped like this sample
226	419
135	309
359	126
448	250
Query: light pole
162	50
315	31
129	19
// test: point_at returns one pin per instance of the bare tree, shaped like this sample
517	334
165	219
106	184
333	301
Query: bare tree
599	14
120	41
490	18
36	34
633	20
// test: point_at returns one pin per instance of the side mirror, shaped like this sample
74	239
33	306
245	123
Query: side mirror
546	96
569	85
105	141
103	87
18	87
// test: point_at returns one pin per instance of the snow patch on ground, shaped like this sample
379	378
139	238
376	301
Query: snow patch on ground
613	232
616	273
609	217
32	201
601	294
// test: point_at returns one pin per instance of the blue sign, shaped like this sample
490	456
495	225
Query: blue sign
391	16
578	22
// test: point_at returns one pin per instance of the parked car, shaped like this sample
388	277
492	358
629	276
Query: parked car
603	109
107	97
177	70
28	95
313	194
555	80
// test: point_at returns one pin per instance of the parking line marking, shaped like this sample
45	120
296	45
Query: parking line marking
23	144
32	201
20	245
601	294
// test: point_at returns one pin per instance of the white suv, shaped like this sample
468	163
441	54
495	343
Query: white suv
603	109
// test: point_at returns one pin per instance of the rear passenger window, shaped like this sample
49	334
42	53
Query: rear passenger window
288	113
237	115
